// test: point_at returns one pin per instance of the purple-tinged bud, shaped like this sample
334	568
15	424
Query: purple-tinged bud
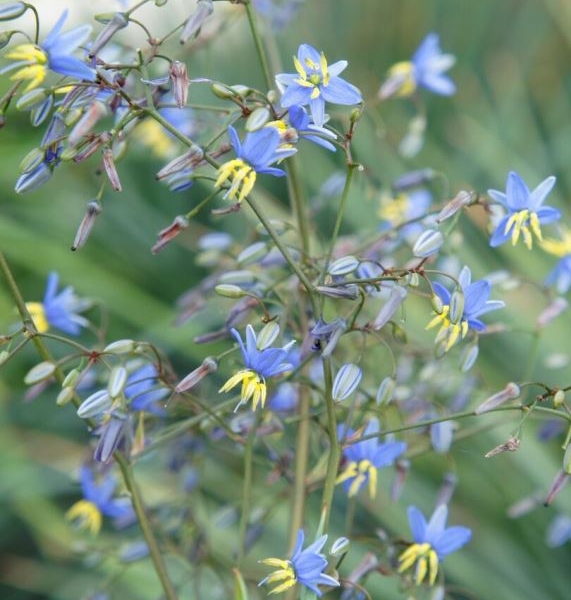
428	243
196	20
209	365
334	339
348	292
92	115
510	392
441	436
119	21
396	298
346	381
212	336
413	179
402	468
343	266
94	405
92	147
111	169
558	484
559	531
112	435
167	234
446	491
86	225
240	310
39	372
180	82
524	506
188	160
12	10
556	308
459	201
511	445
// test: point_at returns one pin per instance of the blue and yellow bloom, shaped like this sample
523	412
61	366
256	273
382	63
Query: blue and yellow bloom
260	363
55	54
432	542
425	69
59	310
260	149
455	320
525	212
305	567
363	459
99	501
560	276
299	125
316	83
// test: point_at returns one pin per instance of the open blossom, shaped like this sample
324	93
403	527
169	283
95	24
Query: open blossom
432	542
475	304
260	150
299	125
525	212
425	69
316	83
363	459
260	363
58	310
55	54
305	567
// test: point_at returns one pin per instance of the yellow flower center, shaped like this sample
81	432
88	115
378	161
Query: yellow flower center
359	472
253	386
319	76
36	69
394	209
426	561
449	332
86	516
520	223
285	574
38	314
242	175
402	75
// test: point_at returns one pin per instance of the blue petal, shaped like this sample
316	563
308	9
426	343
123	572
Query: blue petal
317	108
441	292
235	140
241	344
465	277
298	118
451	540
298	545
320	142
498	197
517	192
72	67
547	214
296	94
272	171
259	147
51	287
438	83
386	454
541	192
499	236
304	52
68	42
417	524
52	36
339	91
437	523
476	295
427	49
337	67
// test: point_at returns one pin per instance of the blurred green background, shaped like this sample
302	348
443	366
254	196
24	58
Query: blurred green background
512	111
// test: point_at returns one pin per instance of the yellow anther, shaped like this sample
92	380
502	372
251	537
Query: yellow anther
36	69
448	331
394	209
520	223
402	74
559	247
38	314
242	175
253	386
285	573
359	472
29	52
324	72
86	515
299	68
426	561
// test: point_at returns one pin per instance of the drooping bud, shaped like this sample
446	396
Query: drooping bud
441	436
111	169
267	335
119	21
511	445
167	234
385	391
39	372
456	306
196	20
253	253
259	117
120	347
86	225
180	82
95	404
468	357
348	292
110	438
559	398
340	547
556	308
65	396
459	201
229	290
117	380
32	99
12	10
346	381
510	392
396	298
93	113
428	243
343	266
558	484
209	365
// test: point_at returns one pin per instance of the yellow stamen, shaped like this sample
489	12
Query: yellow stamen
36	69
561	247
359	472
402	74
242	175
253	386
38	314
520	223
324	72
285	573
87	516
28	52
299	68
448	331
426	561
394	209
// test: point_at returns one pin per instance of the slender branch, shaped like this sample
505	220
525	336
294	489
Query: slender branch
246	490
258	43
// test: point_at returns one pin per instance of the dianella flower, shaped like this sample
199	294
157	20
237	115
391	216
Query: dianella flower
460	311
260	364
524	211
304	567
58	310
260	150
425	69
560	276
432	542
54	54
364	458
299	125
316	83
404	212
99	500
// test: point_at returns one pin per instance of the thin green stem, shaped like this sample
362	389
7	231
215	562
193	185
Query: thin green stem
258	43
246	490
334	448
298	205
138	506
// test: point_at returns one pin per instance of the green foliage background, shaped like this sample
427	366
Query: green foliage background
512	111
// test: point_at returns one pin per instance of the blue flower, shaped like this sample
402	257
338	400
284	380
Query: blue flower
58	310
316	83
364	458
524	211
456	320
98	501
142	392
300	126
54	54
260	363
260	149
432	542
560	276
305	567
425	69
405	211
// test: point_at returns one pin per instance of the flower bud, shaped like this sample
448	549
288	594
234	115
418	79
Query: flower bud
348	292
91	116
396	298
188	160
33	159
557	485
117	22
180	82
228	290
12	10
167	234
437	304
241	277
340	547
385	391
556	308
346	381
71	378
120	347
253	253
196	20
222	91
510	392
441	436
343	266
209	365
65	396
428	243
39	372
110	438
468	357
558	398
259	117
117	380
456	306
402	468
459	201
84	230
267	335
32	99
111	169
95	404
